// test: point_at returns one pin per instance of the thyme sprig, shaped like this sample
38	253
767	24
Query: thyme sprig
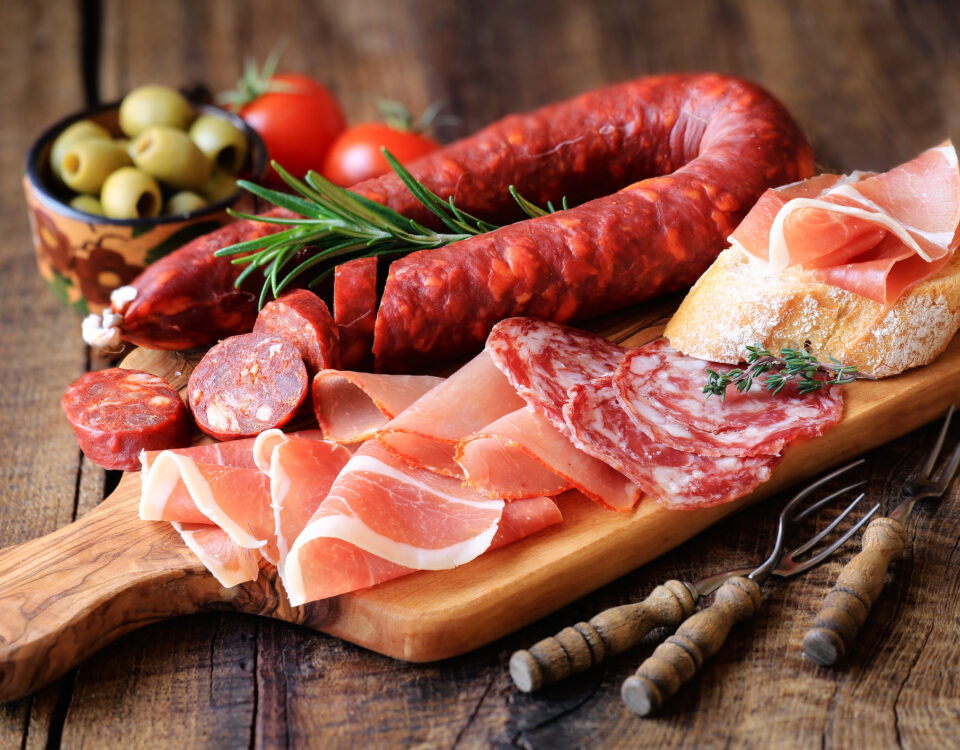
334	225
792	366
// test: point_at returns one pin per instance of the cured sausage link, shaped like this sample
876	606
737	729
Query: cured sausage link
717	142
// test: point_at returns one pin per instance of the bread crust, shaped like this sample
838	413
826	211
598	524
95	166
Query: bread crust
737	303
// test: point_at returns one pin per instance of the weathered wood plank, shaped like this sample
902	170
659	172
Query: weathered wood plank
39	460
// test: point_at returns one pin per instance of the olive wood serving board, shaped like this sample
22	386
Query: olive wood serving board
65	595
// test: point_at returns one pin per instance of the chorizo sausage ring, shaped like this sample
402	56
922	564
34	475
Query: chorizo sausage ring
695	152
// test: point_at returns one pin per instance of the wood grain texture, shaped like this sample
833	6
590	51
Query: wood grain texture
872	83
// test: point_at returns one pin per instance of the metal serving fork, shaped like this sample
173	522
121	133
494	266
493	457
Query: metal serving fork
860	582
576	649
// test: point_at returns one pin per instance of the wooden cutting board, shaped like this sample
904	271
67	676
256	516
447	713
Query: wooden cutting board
65	595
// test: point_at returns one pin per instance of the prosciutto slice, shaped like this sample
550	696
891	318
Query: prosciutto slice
411	518
301	472
524	455
229	563
604	429
873	234
662	390
352	406
426	434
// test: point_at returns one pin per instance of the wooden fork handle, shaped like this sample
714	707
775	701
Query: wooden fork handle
580	647
678	658
860	582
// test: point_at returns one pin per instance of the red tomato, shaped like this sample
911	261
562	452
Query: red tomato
355	156
298	125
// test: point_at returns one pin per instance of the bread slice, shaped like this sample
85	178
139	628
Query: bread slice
738	302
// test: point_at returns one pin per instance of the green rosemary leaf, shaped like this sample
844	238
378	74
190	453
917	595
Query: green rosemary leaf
530	209
278	198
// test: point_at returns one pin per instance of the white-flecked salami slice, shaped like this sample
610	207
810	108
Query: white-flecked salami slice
663	390
603	428
544	360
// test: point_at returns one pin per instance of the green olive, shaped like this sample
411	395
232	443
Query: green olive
130	193
86	164
183	202
220	185
170	156
81	130
86	203
147	106
224	145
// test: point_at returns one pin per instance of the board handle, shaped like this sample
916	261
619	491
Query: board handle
678	658
580	647
67	594
846	607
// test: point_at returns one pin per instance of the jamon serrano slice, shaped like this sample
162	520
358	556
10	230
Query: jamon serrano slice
524	455
237	499
663	390
352	406
229	563
604	429
170	500
301	472
412	519
873	234
426	434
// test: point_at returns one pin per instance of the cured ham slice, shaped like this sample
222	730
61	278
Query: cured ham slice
426	434
873	234
524	455
663	390
352	406
237	499
410	518
604	429
229	563
170	500
334	567
301	473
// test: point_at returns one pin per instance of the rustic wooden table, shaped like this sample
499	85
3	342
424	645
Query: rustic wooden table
872	83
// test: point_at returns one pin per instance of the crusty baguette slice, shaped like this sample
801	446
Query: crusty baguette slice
737	302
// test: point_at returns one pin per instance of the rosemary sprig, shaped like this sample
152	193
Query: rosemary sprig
334	225
792	366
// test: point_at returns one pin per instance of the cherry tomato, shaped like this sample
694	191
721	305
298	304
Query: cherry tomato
298	125
355	155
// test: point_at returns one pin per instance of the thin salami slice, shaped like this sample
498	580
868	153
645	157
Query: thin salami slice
355	311
544	360
663	390
302	318
247	384
605	430
117	413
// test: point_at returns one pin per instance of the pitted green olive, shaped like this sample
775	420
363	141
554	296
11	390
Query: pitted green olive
224	145
183	202
170	156
87	203
220	185
81	130
147	106
86	164
130	193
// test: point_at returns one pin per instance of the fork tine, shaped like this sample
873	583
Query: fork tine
937	446
946	476
787	511
830	527
820	503
807	564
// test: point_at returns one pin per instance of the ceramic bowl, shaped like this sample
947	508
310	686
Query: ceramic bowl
84	257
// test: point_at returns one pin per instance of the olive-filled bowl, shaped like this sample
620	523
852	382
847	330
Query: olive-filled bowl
84	256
